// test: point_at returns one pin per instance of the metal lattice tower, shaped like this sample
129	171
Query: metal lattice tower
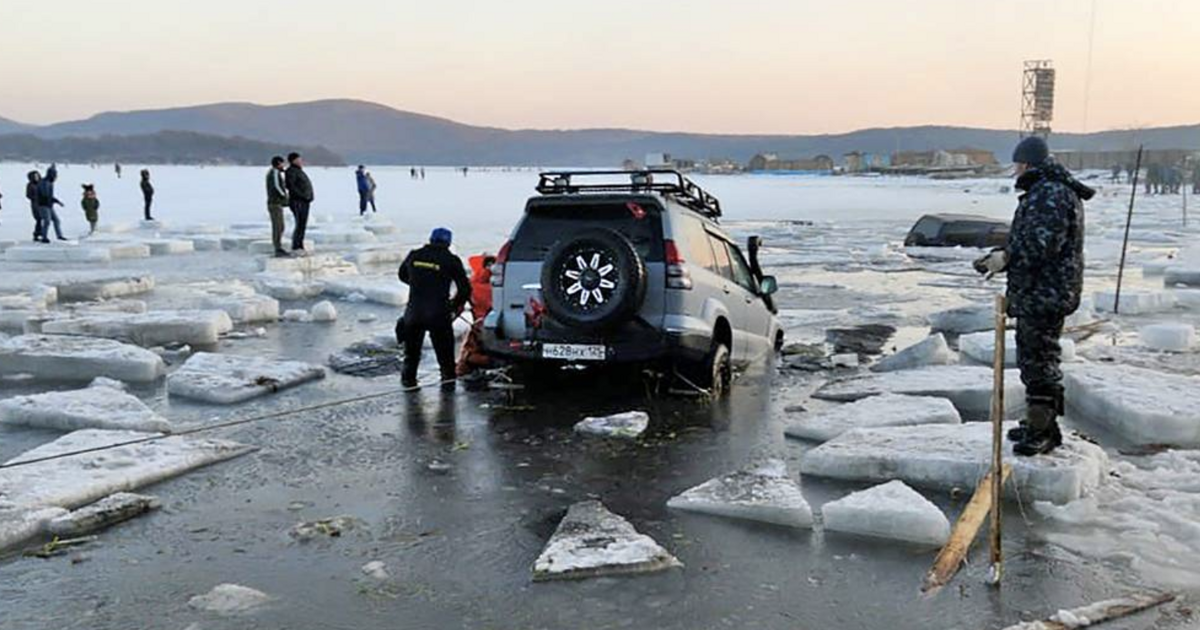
1037	98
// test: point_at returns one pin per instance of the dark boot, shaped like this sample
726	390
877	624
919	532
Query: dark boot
1039	432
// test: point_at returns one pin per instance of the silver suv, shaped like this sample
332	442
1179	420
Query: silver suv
629	267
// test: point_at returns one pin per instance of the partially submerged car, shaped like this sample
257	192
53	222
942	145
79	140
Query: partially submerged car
625	267
957	230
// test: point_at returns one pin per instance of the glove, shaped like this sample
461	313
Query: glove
996	261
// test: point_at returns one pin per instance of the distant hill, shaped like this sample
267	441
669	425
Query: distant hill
163	147
12	126
373	133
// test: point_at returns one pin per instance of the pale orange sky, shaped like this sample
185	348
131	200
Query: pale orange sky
734	66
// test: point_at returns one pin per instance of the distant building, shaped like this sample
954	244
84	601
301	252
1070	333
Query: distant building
629	165
772	162
658	160
858	162
955	158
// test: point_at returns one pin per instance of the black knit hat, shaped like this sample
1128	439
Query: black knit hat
1032	151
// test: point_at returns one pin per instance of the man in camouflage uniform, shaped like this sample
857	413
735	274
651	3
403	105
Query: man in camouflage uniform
1044	262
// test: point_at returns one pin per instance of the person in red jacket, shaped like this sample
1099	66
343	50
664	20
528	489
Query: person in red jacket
472	356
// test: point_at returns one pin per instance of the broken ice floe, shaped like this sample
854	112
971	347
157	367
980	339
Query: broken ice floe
981	348
78	359
968	387
20	525
228	379
1141	405
932	350
379	289
96	407
628	425
169	246
591	541
71	482
229	599
884	410
104	288
763	493
113	509
1145	516
965	319
864	339
1168	337
948	456
891	510
332	527
323	312
54	252
1135	302
1181	275
243	304
375	569
156	328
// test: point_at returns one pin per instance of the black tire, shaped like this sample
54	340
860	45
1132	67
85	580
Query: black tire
716	373
593	279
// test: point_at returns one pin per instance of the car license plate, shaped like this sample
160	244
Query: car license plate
573	351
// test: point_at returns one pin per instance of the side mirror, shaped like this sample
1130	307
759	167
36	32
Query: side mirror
768	285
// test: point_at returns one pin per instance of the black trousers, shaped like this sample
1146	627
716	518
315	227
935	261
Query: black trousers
1040	358
442	336
300	213
149	199
363	200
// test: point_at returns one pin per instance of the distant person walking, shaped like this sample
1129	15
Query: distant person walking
277	200
117	168
430	272
147	193
91	207
31	193
365	186
46	202
300	197
372	186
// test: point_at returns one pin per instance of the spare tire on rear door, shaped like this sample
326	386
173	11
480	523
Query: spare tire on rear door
593	279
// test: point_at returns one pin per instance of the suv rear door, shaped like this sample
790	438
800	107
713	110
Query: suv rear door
547	222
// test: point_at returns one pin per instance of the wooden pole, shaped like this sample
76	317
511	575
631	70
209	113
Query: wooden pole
1137	169
951	557
997	569
1101	612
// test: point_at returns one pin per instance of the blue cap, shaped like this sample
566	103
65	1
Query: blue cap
1032	151
441	235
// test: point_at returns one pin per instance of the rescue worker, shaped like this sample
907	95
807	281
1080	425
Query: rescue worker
472	356
429	272
1044	261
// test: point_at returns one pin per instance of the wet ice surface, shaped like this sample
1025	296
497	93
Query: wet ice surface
458	495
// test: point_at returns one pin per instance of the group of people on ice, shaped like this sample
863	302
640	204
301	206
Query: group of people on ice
43	204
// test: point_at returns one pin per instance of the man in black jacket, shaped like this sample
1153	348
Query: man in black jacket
300	197
46	202
1044	262
31	193
429	272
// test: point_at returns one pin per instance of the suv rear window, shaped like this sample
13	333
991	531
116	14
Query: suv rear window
545	225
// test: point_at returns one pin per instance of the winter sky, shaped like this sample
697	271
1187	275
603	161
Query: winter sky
778	66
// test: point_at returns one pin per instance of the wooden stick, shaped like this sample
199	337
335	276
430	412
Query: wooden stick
997	570
1125	244
1098	613
951	557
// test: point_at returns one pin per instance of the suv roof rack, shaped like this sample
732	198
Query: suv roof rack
669	183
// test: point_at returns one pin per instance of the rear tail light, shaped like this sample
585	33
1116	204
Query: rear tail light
498	266
678	276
